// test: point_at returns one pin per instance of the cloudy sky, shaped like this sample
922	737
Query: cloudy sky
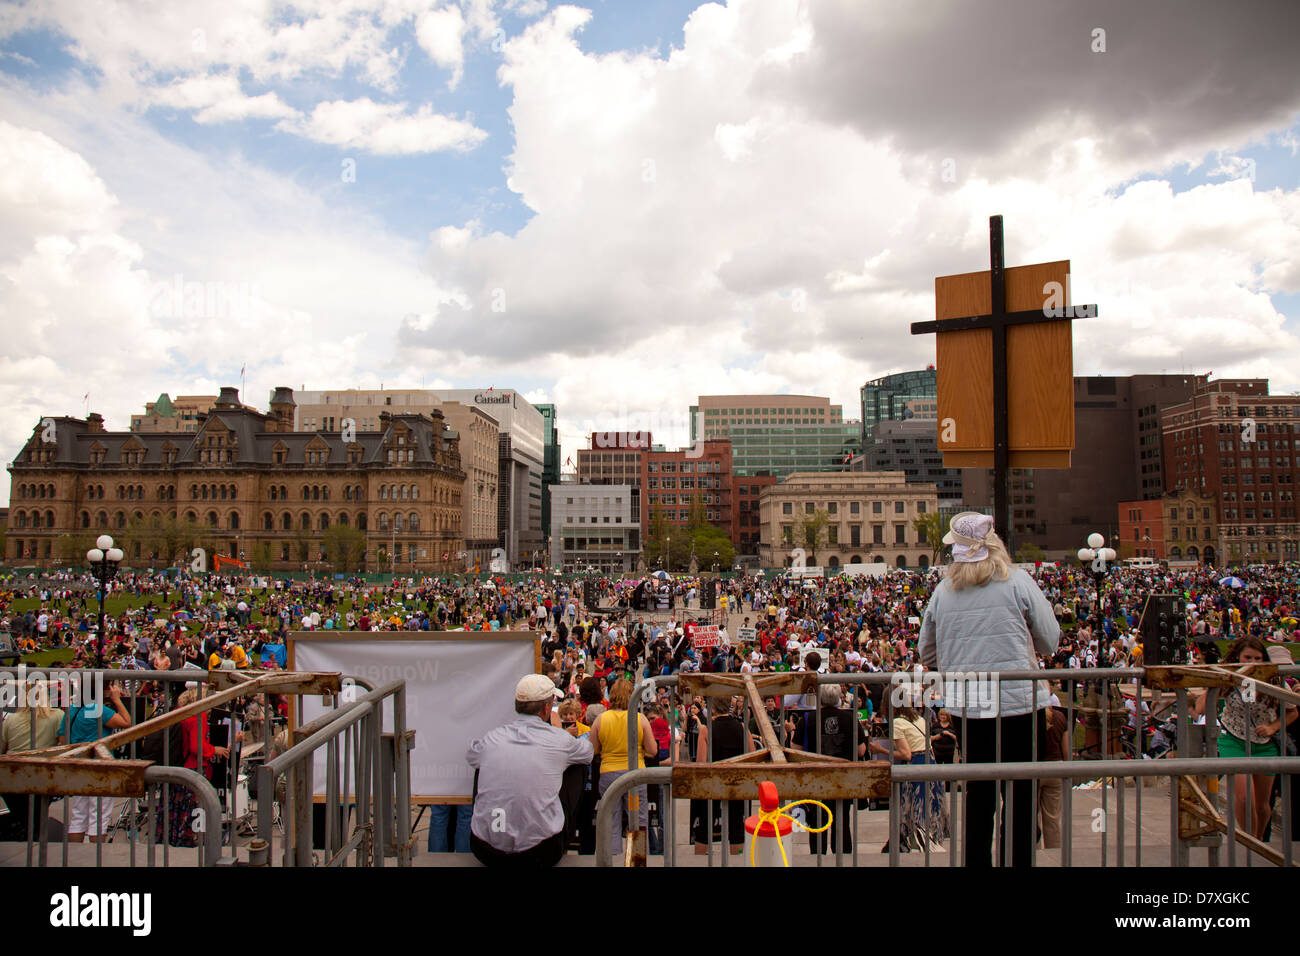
619	206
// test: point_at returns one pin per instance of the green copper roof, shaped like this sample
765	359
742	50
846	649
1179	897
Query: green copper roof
163	407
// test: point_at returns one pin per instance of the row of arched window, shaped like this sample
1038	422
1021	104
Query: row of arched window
35	491
397	522
221	492
394	492
213	492
32	519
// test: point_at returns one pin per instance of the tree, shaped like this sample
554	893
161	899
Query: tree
170	537
710	539
930	528
343	546
71	548
1030	553
811	534
263	555
302	544
655	544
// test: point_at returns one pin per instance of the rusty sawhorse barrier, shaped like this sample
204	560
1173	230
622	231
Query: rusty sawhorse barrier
1091	698
354	775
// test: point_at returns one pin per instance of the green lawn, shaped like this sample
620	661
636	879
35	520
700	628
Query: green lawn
53	658
116	604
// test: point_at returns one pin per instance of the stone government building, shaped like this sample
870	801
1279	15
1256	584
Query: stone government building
254	485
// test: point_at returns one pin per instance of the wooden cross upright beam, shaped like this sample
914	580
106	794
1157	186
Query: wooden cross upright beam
796	773
998	320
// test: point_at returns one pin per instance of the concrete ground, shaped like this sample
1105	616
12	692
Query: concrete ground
1151	824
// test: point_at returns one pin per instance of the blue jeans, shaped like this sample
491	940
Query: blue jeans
439	816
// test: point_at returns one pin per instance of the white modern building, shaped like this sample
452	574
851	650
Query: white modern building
592	526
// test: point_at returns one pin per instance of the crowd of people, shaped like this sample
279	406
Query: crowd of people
596	641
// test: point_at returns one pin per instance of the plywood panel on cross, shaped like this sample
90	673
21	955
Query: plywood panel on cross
1040	372
1016	459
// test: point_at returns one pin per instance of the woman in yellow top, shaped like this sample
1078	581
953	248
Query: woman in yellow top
609	743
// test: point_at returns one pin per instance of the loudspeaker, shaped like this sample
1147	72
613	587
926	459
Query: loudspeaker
1164	631
709	595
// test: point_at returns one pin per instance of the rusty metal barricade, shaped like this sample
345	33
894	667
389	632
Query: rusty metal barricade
1096	754
110	769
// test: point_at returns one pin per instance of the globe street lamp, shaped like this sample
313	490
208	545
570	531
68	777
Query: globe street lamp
104	559
1101	557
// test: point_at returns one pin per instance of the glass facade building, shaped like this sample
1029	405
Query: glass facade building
550	462
778	434
897	397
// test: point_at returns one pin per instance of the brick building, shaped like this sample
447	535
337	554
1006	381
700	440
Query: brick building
674	482
1142	529
749	526
243	483
1117	457
1240	446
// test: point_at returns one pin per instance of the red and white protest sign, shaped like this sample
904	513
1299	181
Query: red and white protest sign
706	635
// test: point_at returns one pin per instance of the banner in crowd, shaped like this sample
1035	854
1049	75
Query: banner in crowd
458	687
706	635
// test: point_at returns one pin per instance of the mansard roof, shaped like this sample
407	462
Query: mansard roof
250	434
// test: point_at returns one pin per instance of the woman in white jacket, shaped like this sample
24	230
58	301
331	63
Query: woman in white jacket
987	616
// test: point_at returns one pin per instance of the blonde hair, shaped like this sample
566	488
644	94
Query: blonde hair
37	700
620	695
996	567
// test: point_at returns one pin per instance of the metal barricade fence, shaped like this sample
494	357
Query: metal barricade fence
133	797
1112	727
353	781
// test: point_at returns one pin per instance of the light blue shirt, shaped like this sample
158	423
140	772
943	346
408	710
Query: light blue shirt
521	766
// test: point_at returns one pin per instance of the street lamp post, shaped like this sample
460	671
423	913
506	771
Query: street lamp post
1101	557
104	559
716	557
668	554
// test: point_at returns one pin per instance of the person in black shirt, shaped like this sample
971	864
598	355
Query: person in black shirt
944	740
730	739
837	740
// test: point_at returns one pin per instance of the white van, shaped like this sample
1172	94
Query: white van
1143	562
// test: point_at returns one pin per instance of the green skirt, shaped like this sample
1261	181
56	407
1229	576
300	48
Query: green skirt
1230	746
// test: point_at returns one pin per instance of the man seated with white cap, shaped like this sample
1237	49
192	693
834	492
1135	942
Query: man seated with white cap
530	778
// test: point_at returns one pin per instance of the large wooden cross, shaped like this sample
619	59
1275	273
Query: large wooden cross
998	320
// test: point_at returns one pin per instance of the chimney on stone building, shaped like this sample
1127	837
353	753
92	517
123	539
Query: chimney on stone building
282	409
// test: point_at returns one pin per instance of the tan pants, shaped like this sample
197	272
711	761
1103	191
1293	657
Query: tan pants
1049	812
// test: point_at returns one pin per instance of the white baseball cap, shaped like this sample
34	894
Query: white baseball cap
535	687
